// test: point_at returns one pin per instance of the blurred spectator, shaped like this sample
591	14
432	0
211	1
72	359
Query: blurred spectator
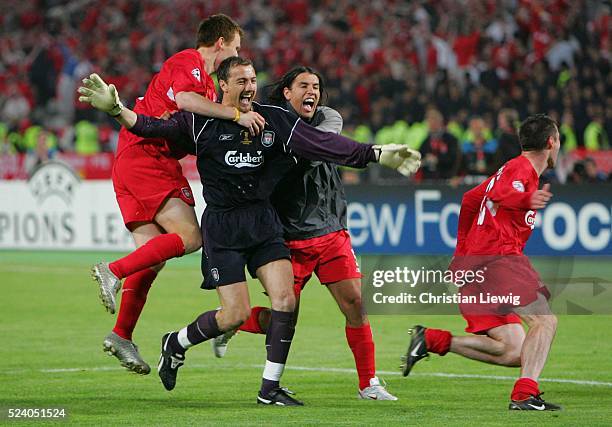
16	107
586	171
595	136
86	138
567	134
508	143
440	151
479	149
5	144
44	149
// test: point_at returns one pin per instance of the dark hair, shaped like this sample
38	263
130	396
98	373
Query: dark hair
216	26
535	131
275	90
228	63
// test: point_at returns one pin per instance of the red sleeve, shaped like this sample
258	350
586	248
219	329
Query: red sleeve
470	205
509	189
187	75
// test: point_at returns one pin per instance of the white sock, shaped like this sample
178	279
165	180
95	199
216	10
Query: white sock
273	371
183	340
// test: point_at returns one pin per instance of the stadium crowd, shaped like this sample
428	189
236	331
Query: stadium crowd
451	78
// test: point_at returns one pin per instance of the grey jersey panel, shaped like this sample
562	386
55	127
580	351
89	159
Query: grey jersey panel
310	200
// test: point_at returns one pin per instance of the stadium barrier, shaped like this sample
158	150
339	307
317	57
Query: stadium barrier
100	165
55	209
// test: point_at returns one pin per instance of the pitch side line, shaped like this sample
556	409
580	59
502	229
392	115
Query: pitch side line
335	370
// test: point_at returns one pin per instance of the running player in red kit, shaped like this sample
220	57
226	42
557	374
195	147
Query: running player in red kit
154	197
496	220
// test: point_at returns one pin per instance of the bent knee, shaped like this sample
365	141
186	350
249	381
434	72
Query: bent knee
284	301
192	240
157	268
512	357
352	304
237	316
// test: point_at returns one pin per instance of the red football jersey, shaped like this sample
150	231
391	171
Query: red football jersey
504	220
182	72
470	205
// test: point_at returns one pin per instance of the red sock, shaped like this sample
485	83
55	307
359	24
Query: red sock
133	298
524	388
362	345
438	341
252	323
157	250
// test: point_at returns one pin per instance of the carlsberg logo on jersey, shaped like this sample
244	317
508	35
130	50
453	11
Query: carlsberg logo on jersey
243	160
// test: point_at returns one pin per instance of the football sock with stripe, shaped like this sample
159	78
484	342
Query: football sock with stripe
362	345
157	250
205	327
278	342
133	298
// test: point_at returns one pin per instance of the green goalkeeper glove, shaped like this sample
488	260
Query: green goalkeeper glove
399	157
101	96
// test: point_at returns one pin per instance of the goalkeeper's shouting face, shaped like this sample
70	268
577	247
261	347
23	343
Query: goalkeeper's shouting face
238	82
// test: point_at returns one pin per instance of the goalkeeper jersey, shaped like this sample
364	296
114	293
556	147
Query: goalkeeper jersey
310	200
237	169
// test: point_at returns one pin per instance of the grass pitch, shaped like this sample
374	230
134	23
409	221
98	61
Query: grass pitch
53	325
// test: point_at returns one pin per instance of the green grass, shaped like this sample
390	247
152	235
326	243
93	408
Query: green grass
52	320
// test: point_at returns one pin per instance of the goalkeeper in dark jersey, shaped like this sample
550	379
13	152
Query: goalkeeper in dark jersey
312	206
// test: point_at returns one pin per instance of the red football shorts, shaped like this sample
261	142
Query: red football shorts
510	282
143	179
330	257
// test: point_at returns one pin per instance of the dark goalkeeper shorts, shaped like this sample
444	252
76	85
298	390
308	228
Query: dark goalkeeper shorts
251	236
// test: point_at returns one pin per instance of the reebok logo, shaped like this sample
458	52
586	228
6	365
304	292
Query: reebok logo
243	160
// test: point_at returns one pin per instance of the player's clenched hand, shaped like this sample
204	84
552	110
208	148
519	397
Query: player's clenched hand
101	96
540	198
253	121
399	157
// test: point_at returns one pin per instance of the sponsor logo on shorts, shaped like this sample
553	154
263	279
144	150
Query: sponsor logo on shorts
187	192
226	137
267	138
196	73
243	160
215	274
530	219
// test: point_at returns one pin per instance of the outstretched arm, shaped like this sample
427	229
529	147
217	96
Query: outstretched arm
312	144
